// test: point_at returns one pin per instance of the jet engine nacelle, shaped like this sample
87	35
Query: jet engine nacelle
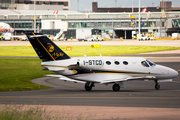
67	72
91	63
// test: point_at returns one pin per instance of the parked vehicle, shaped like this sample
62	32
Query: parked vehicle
95	38
144	38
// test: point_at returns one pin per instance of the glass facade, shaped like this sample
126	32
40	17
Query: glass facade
109	24
163	24
147	24
24	25
176	23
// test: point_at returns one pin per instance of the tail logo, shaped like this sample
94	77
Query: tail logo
50	48
56	55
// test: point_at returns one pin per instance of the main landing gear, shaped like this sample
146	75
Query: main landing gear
116	87
157	86
88	86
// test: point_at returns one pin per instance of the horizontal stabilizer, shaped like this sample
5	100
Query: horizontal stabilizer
55	69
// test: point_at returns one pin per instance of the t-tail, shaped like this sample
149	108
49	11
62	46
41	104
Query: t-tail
45	48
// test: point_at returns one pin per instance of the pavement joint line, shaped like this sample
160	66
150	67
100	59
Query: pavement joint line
67	96
120	92
171	98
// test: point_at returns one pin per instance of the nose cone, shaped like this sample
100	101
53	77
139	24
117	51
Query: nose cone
166	72
173	73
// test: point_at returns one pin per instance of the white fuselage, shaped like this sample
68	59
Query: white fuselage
99	69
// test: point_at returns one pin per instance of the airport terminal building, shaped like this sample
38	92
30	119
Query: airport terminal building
79	25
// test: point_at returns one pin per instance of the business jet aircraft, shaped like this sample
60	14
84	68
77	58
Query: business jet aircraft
92	70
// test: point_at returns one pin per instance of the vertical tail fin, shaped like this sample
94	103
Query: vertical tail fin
45	48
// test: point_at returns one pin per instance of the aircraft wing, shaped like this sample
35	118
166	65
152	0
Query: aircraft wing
127	78
55	69
65	78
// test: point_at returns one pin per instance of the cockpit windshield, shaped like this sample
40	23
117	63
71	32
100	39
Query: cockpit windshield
144	63
151	63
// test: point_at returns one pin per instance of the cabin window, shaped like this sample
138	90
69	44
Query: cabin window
151	63
125	63
108	62
144	63
116	62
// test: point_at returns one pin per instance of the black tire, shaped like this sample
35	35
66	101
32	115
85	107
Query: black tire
88	88
157	86
116	87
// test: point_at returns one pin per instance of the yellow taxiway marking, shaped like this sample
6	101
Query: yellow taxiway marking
175	81
178	70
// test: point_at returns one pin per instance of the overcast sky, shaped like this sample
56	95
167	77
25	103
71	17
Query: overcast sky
86	5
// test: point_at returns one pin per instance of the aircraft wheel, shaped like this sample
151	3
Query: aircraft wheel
88	88
116	87
157	86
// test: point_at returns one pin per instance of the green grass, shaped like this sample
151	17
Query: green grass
15	51
23	112
16	74
14	112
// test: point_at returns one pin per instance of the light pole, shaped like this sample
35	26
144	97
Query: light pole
132	6
78	4
34	15
115	2
139	19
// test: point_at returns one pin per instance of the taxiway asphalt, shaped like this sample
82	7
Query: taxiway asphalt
137	94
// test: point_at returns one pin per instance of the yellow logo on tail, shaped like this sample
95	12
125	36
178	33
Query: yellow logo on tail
50	48
56	55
